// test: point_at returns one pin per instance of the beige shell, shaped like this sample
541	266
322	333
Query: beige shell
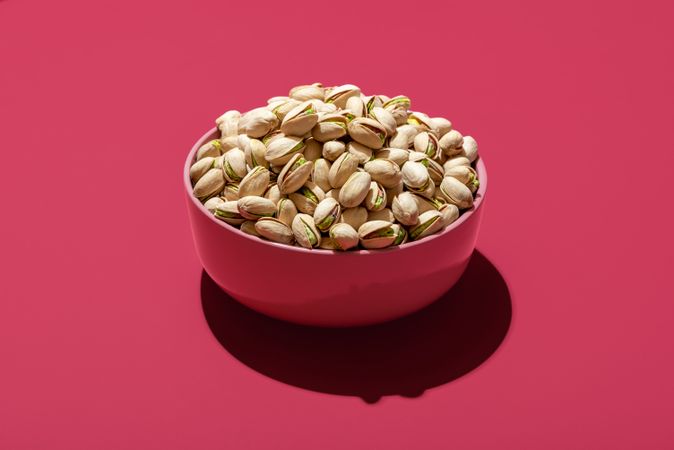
234	165
255	151
286	211
258	122
385	118
200	168
307	197
362	153
376	234
333	150
319	174
248	227
469	147
368	132
456	161
307	92
211	148
327	213
430	222
300	120
305	231
252	207
330	127
341	94
456	193
281	149
274	230
442	125
295	173
405	209
344	236
375	199
229	212
211	183
403	137
397	155
342	169
451	143
354	216
353	192
313	149
384	171
255	182
415	175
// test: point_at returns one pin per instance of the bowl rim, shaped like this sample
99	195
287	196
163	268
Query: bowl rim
187	184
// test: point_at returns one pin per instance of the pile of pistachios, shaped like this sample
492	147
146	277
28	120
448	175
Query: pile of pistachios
332	168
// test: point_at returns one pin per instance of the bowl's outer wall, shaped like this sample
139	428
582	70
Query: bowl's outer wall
330	288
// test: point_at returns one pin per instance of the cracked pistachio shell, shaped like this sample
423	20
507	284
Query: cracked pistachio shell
282	109
466	175
415	175
375	200
383	214
356	106
384	171
456	193
403	137
274	230
341	94
258	122
211	148
353	192
391	193
307	92
252	207
210	184
294	174
273	193
200	168
230	142
342	169
281	149
255	151
248	227
228	123
420	121
435	170
300	120
398	106
405	209
333	149
330	127
305	231
449	214
344	236
255	182
427	191
373	101
451	143
325	108
426	143
442	125
213	203
327	213
368	132
362	153
327	243
313	149
430	222
397	155
377	234
307	197
354	216
234	165
286	211
400	233
469	148
271	136
385	118
231	192
319	174
426	204
229	212
456	161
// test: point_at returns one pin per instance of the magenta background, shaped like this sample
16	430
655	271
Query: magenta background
103	342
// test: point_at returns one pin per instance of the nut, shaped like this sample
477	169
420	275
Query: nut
274	230
344	236
327	213
295	173
353	192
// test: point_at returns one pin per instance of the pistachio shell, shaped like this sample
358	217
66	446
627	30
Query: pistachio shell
307	197
327	243
280	150
405	209
252	207
356	106
342	169
385	118
449	214
229	212
341	94
456	193
319	174
295	173
307	92
273	193
420	120
368	132
376	234
234	165
355	189
258	122
333	193
429	223
231	192
451	143
456	161
248	227
360	151
404	137
333	149
415	175
313	149
469	147
384	171
329	127
200	168
255	182
229	142
286	211
271	137
354	216
397	155
305	231
442	125
401	234
213	203
383	214
255	151
427	143
466	175
344	236
398	106
375	199
300	120
228	123
211	148
274	230
211	183
327	213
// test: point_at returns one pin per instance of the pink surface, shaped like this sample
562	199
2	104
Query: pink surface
110	338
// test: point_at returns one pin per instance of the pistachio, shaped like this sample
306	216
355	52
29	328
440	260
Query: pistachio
355	189
427	143
456	193
305	231
295	173
342	169
466	175
426	204
252	207
313	149
333	193
228	123
307	197
281	149
326	214
329	127
385	118
405	209
231	192
211	148
368	132
327	243
255	151
415	176
451	143
255	182
442	125
377	234
403	137
362	153
248	227
420	121
397	155
429	223
383	214
398	107
344	236
286	211
356	106
456	161
469	147
333	149
400	233
274	230
258	122
229	212
300	120
213	203
354	216
320	174
210	184
273	193
229	142
375	199
307	92
449	214
384	171
435	170
341	94
200	168
234	165
325	108
271	137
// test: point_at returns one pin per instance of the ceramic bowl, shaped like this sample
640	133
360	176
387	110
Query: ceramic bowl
331	288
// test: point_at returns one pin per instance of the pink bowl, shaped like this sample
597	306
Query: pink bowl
328	288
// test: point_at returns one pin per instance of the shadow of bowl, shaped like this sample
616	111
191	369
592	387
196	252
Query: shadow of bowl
403	357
